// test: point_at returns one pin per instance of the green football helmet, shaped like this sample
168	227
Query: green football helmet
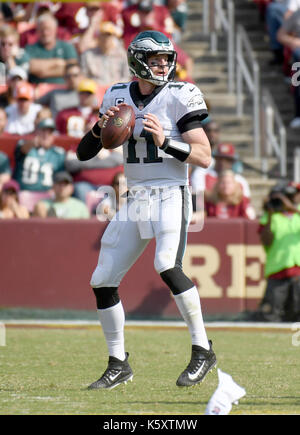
146	44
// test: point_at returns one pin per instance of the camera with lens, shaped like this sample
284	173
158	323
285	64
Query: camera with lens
274	202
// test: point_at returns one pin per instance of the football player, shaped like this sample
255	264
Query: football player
167	137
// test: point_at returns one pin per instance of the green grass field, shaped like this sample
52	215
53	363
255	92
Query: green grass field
47	371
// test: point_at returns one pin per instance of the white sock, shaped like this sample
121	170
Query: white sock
112	321
189	306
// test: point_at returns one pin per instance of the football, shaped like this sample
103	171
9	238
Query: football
118	128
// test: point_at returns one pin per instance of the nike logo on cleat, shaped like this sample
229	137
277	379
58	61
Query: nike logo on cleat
194	376
113	377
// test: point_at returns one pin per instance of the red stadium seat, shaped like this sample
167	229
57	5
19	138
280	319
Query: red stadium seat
8	144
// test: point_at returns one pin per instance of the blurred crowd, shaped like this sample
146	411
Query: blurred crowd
282	23
57	60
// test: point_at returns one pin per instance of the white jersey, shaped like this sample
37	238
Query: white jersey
173	104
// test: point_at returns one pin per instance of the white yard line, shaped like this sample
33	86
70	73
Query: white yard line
146	323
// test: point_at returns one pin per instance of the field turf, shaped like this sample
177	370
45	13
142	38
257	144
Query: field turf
47	371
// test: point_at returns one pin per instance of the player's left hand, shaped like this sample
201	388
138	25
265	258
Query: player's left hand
152	124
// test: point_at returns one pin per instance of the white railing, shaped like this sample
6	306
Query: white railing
248	72
243	69
297	165
218	15
274	131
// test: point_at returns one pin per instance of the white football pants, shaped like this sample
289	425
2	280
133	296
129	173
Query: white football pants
163	213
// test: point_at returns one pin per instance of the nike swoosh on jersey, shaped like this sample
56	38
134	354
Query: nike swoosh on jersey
191	90
193	376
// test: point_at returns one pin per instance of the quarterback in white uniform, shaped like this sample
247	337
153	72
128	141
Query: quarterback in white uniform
167	137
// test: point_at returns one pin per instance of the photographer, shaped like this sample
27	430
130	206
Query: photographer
280	234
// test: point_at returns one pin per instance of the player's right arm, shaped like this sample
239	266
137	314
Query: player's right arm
90	145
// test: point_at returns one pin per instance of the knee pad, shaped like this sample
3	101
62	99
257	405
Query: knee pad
103	275
176	280
165	260
106	297
100	276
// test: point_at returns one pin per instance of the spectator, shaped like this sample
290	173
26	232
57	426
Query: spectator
6	13
225	157
107	63
5	169
76	121
50	55
297	194
15	75
280	234
226	200
96	13
69	16
21	114
3	121
10	52
9	202
44	113
178	11
60	99
96	172
197	174
289	33
145	15
30	35
289	36
212	130
37	159
274	15
63	205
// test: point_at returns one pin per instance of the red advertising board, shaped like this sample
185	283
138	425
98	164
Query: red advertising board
48	264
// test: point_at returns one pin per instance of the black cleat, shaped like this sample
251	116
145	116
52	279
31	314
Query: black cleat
117	372
202	362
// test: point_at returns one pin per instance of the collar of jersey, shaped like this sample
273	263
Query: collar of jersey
139	98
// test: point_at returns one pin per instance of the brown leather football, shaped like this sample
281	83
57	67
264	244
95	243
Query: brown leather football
118	128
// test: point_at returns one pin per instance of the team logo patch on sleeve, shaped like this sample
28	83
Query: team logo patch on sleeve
119	100
196	100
